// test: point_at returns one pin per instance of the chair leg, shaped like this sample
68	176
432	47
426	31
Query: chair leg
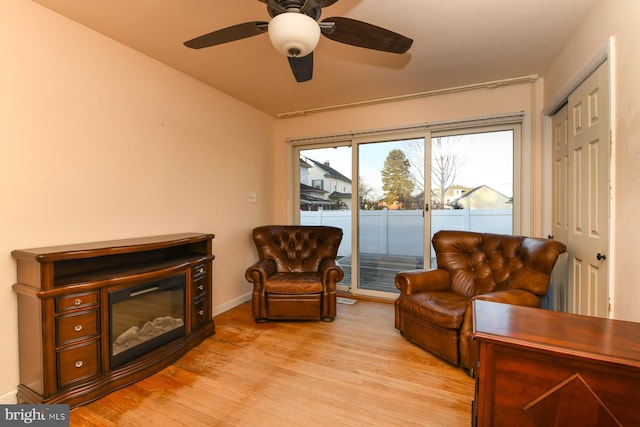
328	319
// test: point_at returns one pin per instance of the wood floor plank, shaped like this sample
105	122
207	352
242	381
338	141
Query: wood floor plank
356	371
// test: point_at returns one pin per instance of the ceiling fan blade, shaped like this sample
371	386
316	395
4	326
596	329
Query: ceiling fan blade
361	34
229	34
302	67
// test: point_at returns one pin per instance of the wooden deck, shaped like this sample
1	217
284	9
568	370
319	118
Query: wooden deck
378	272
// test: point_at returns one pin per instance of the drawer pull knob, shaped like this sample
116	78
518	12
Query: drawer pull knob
79	364
77	301
201	312
77	328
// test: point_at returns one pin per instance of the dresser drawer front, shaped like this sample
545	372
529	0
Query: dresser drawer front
77	363
199	313
198	288
75	301
199	271
77	326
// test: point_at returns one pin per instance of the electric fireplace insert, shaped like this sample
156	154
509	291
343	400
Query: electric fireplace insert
144	317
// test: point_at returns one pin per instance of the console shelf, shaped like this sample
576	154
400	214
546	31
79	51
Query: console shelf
63	312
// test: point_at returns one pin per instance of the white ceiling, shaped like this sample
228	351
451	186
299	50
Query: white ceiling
456	42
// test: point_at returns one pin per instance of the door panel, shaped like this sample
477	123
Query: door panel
324	196
589	201
391	223
560	206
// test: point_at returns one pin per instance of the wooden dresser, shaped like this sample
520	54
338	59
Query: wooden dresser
64	312
545	368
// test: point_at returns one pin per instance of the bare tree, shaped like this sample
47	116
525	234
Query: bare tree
447	157
365	195
415	155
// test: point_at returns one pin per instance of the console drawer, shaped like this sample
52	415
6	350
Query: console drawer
199	310
199	271
76	326
77	363
74	301
198	288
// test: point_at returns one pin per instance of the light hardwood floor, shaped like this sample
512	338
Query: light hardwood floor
356	371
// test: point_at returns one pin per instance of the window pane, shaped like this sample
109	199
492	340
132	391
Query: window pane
325	195
391	215
472	182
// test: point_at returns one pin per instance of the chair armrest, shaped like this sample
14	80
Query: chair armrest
511	296
260	271
330	271
415	281
468	346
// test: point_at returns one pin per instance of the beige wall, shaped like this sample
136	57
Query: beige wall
98	142
617	18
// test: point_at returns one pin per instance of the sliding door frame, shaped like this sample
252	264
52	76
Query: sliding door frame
512	121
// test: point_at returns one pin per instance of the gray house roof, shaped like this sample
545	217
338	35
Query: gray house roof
329	172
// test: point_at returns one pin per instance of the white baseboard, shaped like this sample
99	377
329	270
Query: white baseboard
231	304
9	398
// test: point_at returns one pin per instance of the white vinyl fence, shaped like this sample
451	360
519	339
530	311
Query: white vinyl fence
400	232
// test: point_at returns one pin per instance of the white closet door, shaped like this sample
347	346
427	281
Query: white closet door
588	195
560	211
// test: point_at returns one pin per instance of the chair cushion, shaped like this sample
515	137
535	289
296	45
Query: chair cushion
293	283
445	309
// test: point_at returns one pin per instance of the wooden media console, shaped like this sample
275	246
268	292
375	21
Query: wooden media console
66	298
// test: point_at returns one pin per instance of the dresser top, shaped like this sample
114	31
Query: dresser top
82	250
596	338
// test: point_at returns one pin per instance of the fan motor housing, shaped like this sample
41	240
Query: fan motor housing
276	7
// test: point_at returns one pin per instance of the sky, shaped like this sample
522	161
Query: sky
486	159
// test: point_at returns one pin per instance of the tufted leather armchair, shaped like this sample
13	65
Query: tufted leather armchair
434	306
296	274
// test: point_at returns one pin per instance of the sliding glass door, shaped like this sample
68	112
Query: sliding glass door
472	181
391	221
381	211
325	196
374	188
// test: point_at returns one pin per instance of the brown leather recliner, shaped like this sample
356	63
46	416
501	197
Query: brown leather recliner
296	274
434	306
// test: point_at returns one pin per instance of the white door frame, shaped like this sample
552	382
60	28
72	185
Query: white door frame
605	53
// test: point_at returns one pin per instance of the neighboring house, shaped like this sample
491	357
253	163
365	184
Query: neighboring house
321	186
304	172
312	199
483	197
455	192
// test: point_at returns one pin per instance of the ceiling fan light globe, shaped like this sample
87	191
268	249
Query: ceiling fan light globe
294	34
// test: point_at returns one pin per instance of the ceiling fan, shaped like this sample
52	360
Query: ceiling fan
295	30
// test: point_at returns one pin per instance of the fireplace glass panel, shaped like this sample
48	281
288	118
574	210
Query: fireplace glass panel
145	316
